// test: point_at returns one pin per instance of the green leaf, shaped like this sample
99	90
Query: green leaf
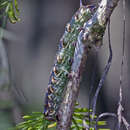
11	14
16	6
102	123
36	121
11	10
79	115
82	110
3	4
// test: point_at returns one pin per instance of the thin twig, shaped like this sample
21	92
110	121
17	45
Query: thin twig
107	67
91	38
127	125
120	107
104	115
92	87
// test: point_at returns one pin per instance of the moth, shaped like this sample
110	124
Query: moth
64	58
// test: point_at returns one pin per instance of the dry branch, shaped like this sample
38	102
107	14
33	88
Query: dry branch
91	36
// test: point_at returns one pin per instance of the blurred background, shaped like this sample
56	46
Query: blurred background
31	45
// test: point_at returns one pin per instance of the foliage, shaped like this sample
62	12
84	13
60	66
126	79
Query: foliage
10	9
36	121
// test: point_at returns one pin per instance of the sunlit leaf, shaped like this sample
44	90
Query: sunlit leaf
3	4
10	9
36	121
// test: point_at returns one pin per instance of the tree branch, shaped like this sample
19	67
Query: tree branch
7	95
90	37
